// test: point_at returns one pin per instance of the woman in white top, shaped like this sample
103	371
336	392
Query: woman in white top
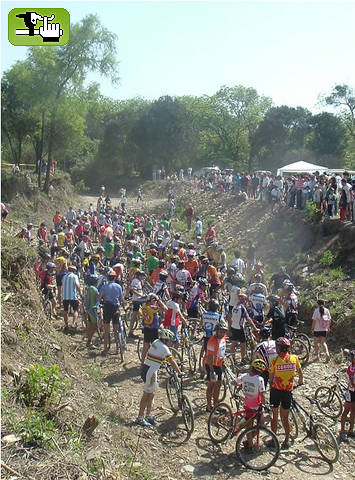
321	320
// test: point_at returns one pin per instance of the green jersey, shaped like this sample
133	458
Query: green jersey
152	263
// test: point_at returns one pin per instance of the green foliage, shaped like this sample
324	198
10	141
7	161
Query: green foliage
80	187
36	429
95	372
336	273
311	211
327	258
43	386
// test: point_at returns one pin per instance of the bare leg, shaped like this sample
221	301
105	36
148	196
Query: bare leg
215	392
106	335
274	420
145	350
285	421
210	387
344	416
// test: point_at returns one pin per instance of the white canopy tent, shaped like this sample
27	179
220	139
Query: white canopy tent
300	167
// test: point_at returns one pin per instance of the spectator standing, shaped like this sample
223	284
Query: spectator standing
321	320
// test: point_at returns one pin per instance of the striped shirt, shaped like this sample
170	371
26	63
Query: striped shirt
69	286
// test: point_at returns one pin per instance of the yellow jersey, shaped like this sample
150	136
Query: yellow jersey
284	369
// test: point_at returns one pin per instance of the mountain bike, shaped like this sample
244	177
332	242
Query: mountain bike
228	385
120	335
257	447
321	435
329	399
294	332
47	305
300	348
195	330
188	350
178	400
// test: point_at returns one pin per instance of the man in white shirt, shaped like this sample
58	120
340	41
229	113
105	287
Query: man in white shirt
238	264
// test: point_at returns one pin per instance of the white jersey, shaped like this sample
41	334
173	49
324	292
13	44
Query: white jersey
238	264
252	386
257	301
156	355
266	350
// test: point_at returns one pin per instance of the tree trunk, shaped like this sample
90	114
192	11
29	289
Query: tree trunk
50	149
40	153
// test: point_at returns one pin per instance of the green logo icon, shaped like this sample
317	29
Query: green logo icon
39	26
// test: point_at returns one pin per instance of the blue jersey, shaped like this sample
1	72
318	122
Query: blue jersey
209	320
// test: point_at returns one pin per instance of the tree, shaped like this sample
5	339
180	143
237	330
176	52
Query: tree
328	137
343	97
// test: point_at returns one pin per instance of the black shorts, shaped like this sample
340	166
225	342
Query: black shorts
230	308
320	334
150	334
282	397
110	313
73	303
237	335
59	280
217	371
192	312
49	293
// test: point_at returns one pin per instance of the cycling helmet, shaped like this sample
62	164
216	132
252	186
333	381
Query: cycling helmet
265	331
46	256
95	257
242	297
52	230
283	343
352	353
163	275
111	273
221	325
239	280
213	305
203	282
191	245
259	365
92	279
290	287
286	282
190	253
230	271
100	249
153	245
273	298
165	334
50	265
153	251
30	225
137	260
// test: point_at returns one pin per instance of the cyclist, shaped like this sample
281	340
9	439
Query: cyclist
92	305
282	372
161	288
236	321
253	387
151	321
215	353
349	405
257	286
277	279
212	278
237	263
290	303
277	317
47	285
183	276
257	270
257	302
209	320
136	288
70	290
158	353
112	297
266	350
191	263
174	313
321	320
197	294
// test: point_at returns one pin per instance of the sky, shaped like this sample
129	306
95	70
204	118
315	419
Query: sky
289	51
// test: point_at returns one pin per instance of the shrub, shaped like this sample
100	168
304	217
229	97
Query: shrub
43	386
36	429
336	273
80	187
311	211
327	258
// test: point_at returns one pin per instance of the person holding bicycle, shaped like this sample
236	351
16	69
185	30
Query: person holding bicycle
158	353
215	352
48	286
92	305
349	405
282	372
151	321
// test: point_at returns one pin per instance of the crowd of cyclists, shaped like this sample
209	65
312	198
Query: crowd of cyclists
104	262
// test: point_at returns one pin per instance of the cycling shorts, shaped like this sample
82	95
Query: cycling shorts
238	335
217	371
92	315
282	397
149	375
73	303
110	313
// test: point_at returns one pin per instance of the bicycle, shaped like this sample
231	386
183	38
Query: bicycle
321	435
120	335
178	400
300	348
257	447
328	399
47	305
302	336
188	350
227	383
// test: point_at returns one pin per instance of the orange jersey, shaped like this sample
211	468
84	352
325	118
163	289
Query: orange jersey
155	275
284	369
213	276
192	267
217	348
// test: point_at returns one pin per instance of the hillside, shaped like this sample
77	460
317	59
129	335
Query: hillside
110	391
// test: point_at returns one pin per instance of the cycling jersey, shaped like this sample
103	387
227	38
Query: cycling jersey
257	288
183	277
192	267
172	316
196	294
61	239
217	348
266	350
209	321
157	353
351	377
239	316
150	317
284	367
257	301
160	288
252	386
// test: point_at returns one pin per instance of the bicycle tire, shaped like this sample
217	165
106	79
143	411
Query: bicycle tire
220	423
328	402
327	444
293	425
305	338
195	331
172	392
300	348
223	391
187	414
262	452
122	343
47	307
192	359
177	356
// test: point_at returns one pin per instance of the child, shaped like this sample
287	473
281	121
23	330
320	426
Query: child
349	405
331	202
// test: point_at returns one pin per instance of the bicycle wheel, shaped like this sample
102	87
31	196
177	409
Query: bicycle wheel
172	391
223	390
122	343
220	423
293	425
300	348
187	414
195	331
264	451
305	338
191	354
325	442
177	356
328	402
47	307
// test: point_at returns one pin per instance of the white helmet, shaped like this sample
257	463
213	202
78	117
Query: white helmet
165	334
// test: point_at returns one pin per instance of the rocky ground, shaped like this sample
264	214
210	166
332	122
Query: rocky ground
110	390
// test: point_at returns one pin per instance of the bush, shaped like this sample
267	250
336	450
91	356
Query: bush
311	211
327	258
336	273
43	386
80	187
35	429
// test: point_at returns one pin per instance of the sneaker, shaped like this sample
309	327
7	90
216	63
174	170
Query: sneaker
151	420
343	437
143	422
285	444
